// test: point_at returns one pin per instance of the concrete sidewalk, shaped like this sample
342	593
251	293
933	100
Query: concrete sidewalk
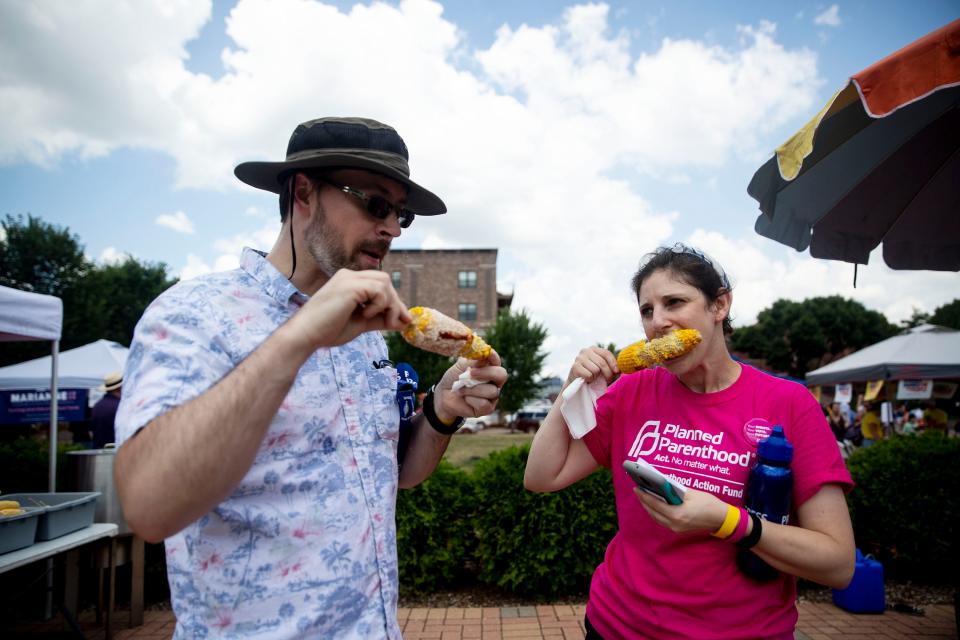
818	621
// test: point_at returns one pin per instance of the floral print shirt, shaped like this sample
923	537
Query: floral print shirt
306	546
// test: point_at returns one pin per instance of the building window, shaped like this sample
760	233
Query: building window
395	277
467	311
467	279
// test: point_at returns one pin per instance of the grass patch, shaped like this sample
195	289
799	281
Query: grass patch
466	449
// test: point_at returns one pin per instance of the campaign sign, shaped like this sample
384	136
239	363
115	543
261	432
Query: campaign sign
914	389
25	406
844	393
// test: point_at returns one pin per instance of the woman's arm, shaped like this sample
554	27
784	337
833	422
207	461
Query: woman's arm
819	548
556	460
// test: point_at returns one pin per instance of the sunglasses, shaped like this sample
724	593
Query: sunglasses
377	206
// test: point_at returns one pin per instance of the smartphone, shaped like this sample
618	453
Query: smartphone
649	479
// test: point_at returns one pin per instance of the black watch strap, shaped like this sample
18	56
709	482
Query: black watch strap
753	537
431	415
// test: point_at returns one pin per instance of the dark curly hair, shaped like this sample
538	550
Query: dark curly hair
690	265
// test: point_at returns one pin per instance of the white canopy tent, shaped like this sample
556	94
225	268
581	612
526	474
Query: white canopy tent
80	368
923	352
28	316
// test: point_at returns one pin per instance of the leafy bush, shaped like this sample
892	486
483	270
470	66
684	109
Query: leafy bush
906	507
435	533
535	544
25	465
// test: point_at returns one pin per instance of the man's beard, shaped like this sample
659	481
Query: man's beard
327	248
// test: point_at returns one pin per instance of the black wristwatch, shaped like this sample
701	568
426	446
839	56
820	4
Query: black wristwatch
431	415
754	536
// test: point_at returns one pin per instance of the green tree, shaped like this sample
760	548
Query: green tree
916	319
115	297
796	337
38	257
947	315
519	342
98	301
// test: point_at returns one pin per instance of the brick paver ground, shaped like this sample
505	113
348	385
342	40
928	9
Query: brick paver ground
818	621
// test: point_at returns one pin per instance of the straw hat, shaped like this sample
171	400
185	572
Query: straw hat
112	381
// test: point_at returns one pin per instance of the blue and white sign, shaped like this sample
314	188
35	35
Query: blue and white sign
26	406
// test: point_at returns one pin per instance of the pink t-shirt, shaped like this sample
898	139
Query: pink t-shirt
654	583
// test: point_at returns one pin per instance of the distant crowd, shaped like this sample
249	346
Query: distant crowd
863	426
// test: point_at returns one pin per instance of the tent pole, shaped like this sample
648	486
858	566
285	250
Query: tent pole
54	414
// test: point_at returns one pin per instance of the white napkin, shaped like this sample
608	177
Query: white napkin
465	380
579	405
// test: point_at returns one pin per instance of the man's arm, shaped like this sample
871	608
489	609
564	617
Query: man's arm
427	445
187	460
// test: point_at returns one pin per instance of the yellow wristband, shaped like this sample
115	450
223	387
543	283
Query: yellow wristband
729	523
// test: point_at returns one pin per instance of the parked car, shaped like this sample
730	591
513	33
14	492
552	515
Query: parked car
529	418
473	425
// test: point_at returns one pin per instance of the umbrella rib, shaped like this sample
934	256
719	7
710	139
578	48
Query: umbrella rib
940	169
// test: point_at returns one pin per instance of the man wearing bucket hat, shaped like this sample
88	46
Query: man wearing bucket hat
105	410
259	422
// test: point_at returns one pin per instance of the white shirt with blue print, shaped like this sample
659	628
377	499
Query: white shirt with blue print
306	545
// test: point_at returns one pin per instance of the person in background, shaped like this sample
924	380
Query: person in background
837	420
671	571
909	426
934	418
105	410
259	422
870	425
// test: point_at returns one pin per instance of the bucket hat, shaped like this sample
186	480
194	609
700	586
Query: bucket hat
112	381
354	143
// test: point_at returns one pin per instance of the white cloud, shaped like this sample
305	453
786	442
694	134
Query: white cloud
537	143
178	221
228	250
830	17
195	267
111	255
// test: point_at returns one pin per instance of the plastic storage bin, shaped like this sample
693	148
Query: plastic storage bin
62	513
865	592
17	532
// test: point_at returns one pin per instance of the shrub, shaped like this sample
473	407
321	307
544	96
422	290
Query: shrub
435	533
535	544
905	507
25	465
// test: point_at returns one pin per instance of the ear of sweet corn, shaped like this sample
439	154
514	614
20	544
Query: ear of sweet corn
433	331
643	354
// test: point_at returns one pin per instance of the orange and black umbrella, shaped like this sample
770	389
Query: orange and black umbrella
880	163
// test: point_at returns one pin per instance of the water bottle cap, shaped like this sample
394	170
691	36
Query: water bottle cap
776	448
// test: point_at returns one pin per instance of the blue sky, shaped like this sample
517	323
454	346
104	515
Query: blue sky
572	137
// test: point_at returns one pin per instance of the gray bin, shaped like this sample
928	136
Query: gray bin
62	513
92	470
17	532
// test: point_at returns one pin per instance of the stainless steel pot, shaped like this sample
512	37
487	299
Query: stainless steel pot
92	470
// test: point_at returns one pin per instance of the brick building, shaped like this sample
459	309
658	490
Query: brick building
461	283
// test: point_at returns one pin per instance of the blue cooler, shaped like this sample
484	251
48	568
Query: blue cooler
865	592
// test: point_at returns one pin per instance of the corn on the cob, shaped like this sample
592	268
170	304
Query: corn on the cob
11	512
439	333
643	354
9	504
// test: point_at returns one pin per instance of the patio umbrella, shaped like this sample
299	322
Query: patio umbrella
879	163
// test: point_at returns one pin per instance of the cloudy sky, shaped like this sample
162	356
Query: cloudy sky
572	137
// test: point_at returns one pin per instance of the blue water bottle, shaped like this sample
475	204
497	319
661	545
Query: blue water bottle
768	496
